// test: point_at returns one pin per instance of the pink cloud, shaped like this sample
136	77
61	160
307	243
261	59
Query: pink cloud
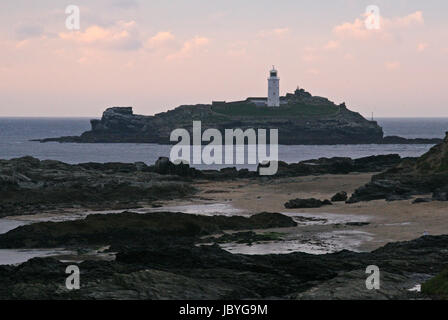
273	32
354	29
422	46
189	47
332	45
358	30
162	38
393	65
122	35
415	18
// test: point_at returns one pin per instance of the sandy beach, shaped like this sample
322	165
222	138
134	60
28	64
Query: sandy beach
388	221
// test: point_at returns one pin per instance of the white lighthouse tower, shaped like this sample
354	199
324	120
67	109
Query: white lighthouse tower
273	89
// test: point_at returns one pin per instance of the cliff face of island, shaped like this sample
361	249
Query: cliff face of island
301	119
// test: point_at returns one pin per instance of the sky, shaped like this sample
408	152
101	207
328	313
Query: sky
155	55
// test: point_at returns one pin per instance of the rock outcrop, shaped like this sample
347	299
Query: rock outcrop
135	229
306	203
336	165
28	185
159	257
340	196
426	174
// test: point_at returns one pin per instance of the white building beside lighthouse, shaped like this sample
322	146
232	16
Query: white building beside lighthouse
273	89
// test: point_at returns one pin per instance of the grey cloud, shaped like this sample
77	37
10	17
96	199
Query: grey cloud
27	31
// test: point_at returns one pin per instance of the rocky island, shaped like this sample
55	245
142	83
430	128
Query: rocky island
300	119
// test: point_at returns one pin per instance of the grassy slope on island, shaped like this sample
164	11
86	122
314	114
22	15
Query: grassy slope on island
247	109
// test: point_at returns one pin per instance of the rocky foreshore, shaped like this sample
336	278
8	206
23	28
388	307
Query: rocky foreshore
160	256
172	255
29	185
301	119
427	174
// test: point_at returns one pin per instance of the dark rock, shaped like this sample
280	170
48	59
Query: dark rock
306	203
357	224
422	200
382	189
248	237
163	165
156	285
340	196
441	194
28	185
401	140
376	163
351	286
428	173
208	272
379	189
171	265
128	227
398	197
335	165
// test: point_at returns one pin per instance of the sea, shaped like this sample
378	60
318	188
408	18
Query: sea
16	133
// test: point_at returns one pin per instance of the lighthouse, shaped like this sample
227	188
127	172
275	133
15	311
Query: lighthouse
273	89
